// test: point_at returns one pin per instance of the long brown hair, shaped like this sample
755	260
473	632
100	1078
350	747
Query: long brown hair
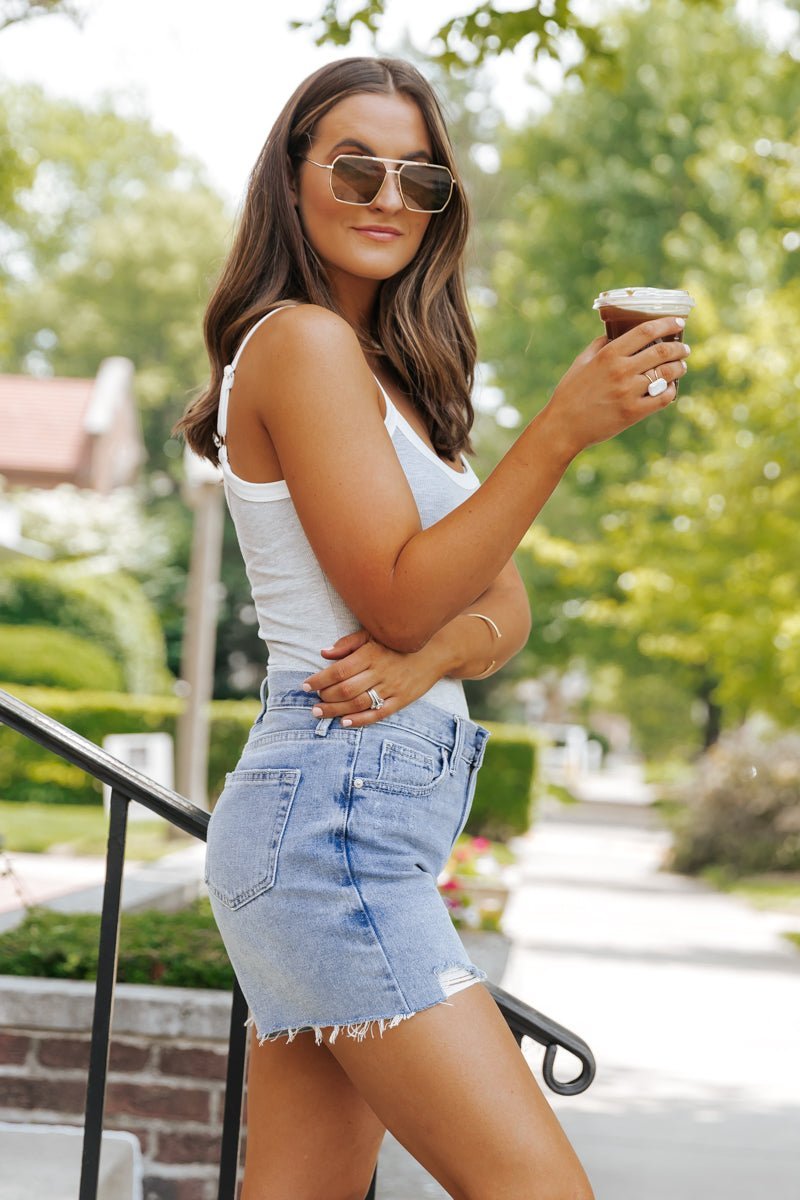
421	325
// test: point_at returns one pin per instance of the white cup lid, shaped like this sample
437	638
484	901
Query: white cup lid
657	301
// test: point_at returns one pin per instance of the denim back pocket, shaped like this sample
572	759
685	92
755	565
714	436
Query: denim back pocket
245	833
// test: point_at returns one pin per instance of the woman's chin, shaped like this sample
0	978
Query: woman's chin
376	268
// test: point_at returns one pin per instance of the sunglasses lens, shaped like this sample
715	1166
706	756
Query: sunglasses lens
425	188
357	180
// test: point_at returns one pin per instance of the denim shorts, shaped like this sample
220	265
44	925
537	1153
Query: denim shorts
323	852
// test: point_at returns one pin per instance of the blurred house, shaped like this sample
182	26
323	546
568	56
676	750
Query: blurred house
81	431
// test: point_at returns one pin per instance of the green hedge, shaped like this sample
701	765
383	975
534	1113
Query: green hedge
29	772
109	608
173	949
508	783
41	655
504	800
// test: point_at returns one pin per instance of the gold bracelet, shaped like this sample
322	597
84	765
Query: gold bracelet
490	622
485	618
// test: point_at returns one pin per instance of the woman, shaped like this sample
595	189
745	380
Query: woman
339	410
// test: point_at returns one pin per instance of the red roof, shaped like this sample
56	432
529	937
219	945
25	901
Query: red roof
42	423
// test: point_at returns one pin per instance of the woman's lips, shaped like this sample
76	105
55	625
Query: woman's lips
378	233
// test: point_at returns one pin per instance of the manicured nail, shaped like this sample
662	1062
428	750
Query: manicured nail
307	687
347	721
679	321
688	349
317	711
328	650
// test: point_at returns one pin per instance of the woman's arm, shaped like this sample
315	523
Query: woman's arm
465	646
461	650
305	375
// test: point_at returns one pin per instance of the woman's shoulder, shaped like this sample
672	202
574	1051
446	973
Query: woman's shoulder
303	339
310	320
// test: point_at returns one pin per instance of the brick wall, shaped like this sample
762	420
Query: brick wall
166	1077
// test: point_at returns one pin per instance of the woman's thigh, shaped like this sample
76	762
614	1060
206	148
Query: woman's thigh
310	1133
454	1088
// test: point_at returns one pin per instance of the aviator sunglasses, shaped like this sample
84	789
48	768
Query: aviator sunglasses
357	179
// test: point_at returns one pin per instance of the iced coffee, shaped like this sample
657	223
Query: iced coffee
622	309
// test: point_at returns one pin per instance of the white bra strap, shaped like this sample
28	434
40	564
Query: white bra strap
229	372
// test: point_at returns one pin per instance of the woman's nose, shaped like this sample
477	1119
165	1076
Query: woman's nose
389	197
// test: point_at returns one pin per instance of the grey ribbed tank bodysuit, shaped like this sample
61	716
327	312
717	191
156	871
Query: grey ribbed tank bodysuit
299	611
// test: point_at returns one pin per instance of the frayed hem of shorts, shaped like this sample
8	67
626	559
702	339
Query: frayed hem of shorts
452	979
357	1030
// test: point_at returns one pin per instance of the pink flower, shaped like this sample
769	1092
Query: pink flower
481	843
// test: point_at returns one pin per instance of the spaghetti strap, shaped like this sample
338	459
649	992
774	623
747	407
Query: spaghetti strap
229	372
390	420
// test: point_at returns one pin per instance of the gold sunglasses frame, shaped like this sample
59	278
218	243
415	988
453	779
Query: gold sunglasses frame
410	162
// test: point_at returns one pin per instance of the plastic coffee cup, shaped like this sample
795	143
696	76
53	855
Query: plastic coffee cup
622	309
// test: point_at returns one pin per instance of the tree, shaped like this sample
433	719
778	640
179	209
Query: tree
114	237
674	178
703	546
552	29
14	12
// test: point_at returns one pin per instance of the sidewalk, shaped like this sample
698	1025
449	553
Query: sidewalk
72	883
689	1000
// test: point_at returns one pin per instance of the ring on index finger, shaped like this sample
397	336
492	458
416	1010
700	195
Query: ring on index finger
657	383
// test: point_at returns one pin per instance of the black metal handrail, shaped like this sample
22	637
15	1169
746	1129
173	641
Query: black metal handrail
128	784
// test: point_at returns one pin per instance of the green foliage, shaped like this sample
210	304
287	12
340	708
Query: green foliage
178	949
30	773
109	608
14	12
742	808
702	543
550	29
118	235
38	654
507	786
657	703
231	721
666	552
82	829
503	806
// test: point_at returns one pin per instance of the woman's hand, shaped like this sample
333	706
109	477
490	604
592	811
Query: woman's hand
605	389
364	663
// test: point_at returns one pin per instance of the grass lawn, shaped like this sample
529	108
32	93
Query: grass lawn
82	829
777	890
672	772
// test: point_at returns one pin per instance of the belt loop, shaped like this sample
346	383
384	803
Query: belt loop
321	727
482	738
263	694
458	742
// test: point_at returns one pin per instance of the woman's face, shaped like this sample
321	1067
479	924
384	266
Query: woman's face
357	243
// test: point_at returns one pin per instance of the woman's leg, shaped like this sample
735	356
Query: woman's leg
454	1088
310	1134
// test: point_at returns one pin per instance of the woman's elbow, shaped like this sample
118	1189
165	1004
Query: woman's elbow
401	635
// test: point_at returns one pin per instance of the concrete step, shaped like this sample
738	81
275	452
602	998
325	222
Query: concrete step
45	1160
